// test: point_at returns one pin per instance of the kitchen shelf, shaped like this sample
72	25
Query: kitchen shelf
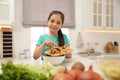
7	42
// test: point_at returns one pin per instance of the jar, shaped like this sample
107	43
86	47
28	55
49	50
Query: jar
26	51
22	55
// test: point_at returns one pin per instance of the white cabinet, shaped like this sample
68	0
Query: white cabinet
6	11
101	14
86	10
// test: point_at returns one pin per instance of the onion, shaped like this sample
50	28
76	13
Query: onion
63	76
75	73
89	75
78	65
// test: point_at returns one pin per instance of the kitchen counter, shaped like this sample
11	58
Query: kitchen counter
87	61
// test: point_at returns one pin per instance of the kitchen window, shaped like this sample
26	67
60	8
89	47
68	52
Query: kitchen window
37	31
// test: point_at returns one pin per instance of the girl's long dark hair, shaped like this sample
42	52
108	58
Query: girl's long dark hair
60	34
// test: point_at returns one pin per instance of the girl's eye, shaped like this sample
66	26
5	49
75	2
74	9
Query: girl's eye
52	21
58	22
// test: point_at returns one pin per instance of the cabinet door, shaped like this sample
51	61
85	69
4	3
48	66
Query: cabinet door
108	14
100	14
117	15
6	11
86	10
92	14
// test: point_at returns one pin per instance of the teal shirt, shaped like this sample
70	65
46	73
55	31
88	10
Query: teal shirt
44	37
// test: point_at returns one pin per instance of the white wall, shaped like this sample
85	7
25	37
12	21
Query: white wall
22	34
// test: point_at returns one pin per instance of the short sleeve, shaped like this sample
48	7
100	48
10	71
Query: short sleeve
40	41
66	40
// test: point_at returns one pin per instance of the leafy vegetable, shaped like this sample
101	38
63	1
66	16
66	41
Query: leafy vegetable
22	71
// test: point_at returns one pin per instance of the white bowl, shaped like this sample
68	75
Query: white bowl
55	60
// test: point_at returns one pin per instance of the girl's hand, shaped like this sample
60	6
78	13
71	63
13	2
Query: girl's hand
68	55
49	43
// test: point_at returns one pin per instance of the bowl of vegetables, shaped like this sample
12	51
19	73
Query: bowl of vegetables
56	55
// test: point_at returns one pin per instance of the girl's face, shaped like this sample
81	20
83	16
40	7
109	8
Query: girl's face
55	24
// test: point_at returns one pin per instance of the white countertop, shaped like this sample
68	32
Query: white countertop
68	63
